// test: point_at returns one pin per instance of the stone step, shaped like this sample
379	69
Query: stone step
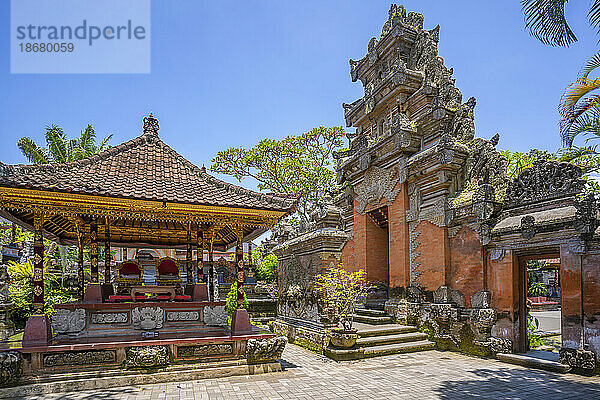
375	351
371	341
382	330
370	312
397	348
533	362
367	319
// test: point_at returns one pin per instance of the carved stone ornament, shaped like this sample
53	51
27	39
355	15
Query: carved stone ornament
500	345
377	184
147	318
481	299
265	350
528	227
68	321
109	318
204	350
545	180
215	316
497	254
68	358
483	319
11	368
183	316
146	357
582	360
586	215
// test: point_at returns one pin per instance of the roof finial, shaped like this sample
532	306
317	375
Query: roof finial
150	125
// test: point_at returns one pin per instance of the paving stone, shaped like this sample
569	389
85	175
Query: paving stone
427	375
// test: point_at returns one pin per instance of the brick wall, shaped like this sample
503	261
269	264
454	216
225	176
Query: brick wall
434	257
466	263
399	254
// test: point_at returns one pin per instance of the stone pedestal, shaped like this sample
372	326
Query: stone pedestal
93	293
240	322
200	292
37	331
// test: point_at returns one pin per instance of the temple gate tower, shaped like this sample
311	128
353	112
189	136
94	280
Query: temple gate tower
411	154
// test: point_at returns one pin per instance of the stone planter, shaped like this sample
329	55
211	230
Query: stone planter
343	339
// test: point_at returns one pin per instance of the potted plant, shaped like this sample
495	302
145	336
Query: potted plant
342	291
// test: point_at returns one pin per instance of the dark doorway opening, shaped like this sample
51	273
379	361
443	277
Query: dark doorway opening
540	303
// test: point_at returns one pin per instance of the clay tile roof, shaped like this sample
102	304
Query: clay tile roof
143	168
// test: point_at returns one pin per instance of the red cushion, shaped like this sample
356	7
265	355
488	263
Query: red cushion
183	297
140	297
163	297
119	297
129	268
168	267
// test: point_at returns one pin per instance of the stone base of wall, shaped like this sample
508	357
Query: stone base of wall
580	361
451	327
312	338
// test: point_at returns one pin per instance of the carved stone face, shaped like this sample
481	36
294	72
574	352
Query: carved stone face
147	318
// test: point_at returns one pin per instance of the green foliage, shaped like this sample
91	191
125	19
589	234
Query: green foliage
231	302
532	326
60	149
547	22
294	165
536	288
21	291
267	269
342	291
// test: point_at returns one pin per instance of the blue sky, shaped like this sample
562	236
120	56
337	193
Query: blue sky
228	73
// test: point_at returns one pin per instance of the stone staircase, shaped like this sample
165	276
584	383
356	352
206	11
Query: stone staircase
378	336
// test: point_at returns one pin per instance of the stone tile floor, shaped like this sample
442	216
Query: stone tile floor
426	375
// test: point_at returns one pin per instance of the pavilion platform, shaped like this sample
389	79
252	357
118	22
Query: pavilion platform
126	327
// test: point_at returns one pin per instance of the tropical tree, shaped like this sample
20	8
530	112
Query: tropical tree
547	22
585	158
60	149
294	165
579	110
580	106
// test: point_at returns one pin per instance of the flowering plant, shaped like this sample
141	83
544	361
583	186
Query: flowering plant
342	291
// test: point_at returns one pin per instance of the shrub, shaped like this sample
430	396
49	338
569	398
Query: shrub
267	269
343	291
231	301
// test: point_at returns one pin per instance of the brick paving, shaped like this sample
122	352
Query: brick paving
426	375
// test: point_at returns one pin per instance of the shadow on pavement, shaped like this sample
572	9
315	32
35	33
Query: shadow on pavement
518	384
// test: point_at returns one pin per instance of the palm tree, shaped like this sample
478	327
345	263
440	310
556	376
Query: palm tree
580	106
60	149
546	20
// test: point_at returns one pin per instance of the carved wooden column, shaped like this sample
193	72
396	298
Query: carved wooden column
80	272
107	277
124	255
250	268
240	322
93	290
199	256
189	270
38	263
38	330
239	266
213	289
94	252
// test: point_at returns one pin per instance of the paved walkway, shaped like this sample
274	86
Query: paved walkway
427	375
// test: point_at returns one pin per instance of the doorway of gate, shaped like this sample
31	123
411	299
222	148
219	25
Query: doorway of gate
540	303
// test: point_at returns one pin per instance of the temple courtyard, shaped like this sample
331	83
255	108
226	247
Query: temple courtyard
426	375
